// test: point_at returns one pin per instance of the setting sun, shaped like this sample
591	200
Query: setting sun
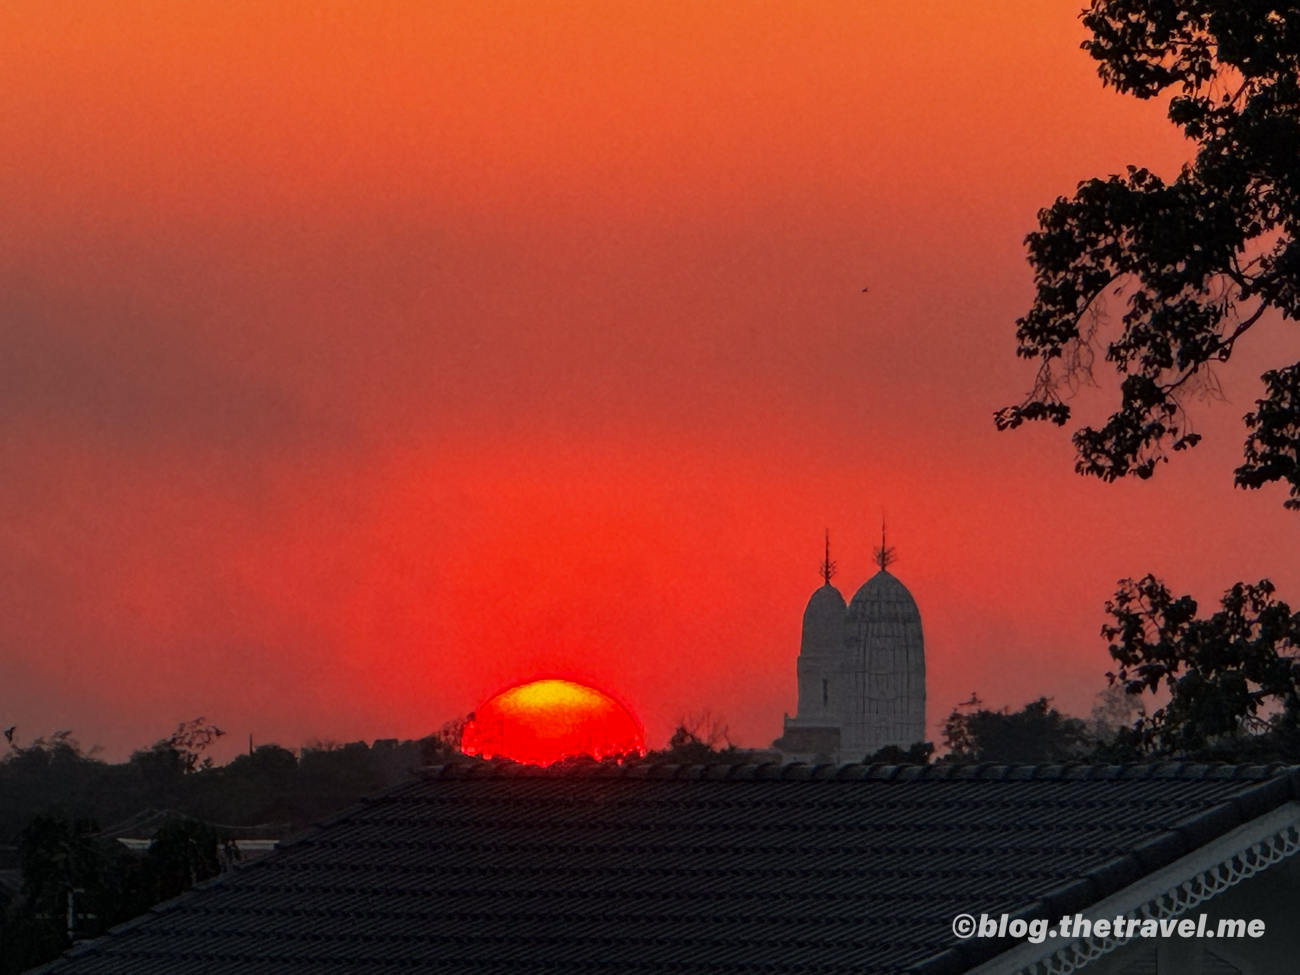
544	721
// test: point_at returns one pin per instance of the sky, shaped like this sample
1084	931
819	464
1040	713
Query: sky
360	359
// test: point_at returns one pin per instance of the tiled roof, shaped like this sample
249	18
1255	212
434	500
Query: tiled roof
687	869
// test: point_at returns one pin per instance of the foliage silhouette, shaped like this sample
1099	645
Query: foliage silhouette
52	797
1036	734
1233	678
190	740
1201	259
700	738
184	852
78	882
270	786
917	754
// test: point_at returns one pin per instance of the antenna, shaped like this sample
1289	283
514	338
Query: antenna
884	555
828	567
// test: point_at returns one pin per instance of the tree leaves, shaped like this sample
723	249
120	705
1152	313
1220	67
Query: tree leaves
1037	733
1228	674
1273	448
1200	259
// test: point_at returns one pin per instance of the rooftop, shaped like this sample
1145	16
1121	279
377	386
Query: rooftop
688	869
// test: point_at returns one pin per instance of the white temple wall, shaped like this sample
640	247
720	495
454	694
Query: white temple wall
861	668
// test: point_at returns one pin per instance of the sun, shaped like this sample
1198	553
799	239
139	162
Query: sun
543	721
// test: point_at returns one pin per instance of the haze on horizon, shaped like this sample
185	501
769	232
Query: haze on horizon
359	360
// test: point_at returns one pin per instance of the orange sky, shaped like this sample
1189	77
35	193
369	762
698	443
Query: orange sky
360	359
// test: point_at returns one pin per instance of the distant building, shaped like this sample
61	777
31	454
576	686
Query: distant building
239	842
861	670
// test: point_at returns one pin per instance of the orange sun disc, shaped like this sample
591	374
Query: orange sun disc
544	721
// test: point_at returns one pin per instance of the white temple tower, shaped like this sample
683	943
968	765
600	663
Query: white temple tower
861	670
886	650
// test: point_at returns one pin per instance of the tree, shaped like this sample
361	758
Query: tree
916	754
184	852
701	738
267	763
163	766
58	856
52	795
71	885
77	882
52	775
1036	734
1114	712
1201	262
1232	677
1201	259
444	744
190	740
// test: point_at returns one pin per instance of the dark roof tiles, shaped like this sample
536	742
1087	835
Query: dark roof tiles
659	868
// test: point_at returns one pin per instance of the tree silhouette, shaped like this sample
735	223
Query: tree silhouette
700	738
77	882
1231	676
1201	259
190	740
1035	734
916	754
184	852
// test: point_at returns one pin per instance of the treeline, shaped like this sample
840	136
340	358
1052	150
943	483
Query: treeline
1222	687
62	813
59	806
1117	732
77	882
270	785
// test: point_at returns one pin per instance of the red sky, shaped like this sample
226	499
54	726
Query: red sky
360	359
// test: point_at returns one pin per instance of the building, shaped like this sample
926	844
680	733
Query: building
861	670
240	842
738	870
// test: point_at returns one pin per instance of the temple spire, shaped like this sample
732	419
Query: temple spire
884	555
828	567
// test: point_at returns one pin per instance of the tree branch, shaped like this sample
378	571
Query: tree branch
1224	349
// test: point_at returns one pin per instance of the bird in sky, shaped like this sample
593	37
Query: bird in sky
9	734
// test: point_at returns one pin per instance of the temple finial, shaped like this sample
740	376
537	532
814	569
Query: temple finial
884	555
828	567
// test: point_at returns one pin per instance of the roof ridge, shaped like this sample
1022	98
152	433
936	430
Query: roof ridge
1141	859
857	771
